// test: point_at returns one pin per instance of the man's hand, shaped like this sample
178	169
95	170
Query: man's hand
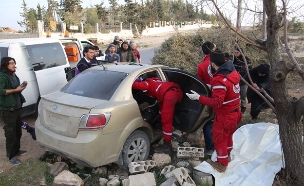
255	86
20	88
193	96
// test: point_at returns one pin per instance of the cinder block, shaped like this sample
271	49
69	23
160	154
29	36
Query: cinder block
170	182
141	166
189	152
183	177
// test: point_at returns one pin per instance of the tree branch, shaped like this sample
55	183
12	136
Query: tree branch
261	95
288	51
234	30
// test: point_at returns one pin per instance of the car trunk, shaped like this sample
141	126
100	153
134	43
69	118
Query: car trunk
61	112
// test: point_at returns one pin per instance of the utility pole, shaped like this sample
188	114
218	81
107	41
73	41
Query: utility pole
239	13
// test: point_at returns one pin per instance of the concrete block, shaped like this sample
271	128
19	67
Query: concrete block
186	144
167	169
114	182
67	178
183	177
189	152
202	178
141	166
100	170
146	179
182	164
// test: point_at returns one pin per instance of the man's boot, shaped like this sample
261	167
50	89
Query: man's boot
164	148
31	130
217	166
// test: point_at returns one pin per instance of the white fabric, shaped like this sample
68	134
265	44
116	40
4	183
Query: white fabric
255	159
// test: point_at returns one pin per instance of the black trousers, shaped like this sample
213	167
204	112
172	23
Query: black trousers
12	130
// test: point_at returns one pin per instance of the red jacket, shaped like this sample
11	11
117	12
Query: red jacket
225	90
155	87
204	70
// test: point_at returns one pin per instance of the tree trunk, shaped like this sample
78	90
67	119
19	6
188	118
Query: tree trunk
286	107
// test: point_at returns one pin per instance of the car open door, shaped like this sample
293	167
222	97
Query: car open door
49	63
189	115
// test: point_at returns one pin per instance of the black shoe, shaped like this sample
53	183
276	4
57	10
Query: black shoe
31	130
15	161
164	148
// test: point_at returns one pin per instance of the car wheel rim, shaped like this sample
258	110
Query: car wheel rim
137	150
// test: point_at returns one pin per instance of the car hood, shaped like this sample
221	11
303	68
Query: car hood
61	112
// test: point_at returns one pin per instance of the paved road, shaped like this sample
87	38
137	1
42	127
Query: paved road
147	55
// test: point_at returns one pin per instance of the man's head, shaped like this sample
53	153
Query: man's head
263	69
217	59
8	64
208	47
237	52
112	48
96	51
116	40
125	46
89	52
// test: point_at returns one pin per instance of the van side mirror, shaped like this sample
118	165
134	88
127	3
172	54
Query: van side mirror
100	53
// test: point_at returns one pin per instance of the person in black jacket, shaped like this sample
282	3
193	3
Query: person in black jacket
260	79
86	61
239	65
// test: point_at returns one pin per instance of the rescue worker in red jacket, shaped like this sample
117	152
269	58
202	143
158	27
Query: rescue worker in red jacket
225	102
204	68
168	94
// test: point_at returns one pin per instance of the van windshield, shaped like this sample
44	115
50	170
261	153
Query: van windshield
46	55
95	84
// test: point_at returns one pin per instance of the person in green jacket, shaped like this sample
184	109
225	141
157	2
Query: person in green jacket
11	101
125	53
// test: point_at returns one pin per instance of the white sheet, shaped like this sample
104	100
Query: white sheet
255	159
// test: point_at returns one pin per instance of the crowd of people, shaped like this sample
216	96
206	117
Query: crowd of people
221	74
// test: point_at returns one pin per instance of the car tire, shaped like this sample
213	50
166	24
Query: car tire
136	148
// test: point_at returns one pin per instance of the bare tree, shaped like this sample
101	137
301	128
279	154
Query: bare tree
289	110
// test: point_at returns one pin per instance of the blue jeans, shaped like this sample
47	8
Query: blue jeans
208	135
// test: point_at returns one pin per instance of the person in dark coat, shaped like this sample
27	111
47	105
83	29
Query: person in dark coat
260	79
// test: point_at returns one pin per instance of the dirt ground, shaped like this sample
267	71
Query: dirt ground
32	147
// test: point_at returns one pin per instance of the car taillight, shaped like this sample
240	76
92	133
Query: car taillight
94	121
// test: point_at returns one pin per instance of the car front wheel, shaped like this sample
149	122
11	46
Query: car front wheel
136	147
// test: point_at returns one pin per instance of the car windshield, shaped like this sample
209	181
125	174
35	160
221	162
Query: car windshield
95	84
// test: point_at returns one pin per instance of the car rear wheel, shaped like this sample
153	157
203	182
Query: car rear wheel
136	147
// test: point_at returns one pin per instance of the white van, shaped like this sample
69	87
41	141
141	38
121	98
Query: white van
40	61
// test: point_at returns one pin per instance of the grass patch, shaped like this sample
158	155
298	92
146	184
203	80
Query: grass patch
29	172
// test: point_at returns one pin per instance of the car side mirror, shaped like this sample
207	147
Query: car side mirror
100	53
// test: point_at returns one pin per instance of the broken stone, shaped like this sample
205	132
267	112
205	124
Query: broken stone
114	182
66	178
186	144
202	178
194	162
161	159
58	167
174	145
103	181
146	179
182	164
183	177
111	177
196	139
170	182
125	182
100	170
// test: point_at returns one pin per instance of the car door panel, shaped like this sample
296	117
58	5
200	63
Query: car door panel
189	114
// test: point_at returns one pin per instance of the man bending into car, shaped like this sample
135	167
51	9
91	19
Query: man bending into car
168	94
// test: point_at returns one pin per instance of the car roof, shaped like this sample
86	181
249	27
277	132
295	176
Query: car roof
30	41
127	68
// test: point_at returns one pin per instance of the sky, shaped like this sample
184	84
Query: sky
10	10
